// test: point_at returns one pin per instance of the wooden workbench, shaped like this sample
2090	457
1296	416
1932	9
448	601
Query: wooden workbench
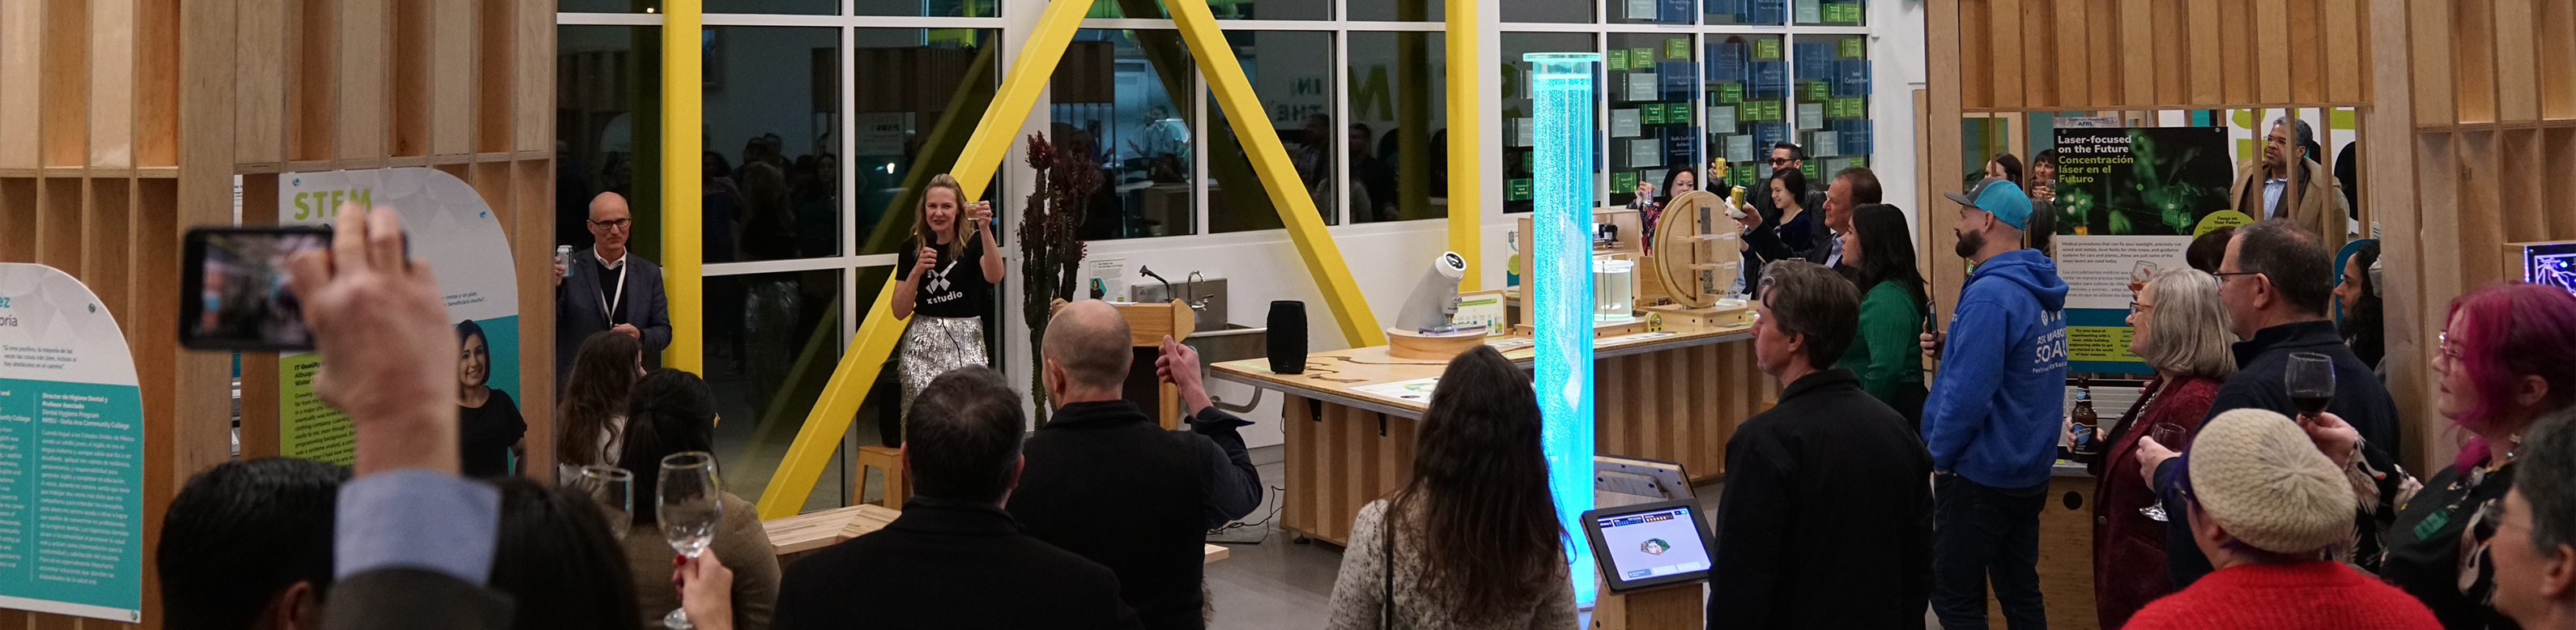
1673	395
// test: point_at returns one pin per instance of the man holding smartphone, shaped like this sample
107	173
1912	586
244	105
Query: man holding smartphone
614	290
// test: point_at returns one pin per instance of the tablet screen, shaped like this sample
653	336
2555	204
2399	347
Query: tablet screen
1646	545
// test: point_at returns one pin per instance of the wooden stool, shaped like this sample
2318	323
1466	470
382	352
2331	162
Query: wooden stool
887	459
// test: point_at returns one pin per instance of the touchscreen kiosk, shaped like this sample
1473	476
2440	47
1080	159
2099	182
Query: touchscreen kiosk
1649	544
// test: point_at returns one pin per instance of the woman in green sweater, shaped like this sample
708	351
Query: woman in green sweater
1878	255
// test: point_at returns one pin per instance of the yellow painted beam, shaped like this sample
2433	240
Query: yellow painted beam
1466	208
812	451
1278	175
683	185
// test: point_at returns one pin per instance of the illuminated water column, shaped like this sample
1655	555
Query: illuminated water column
1561	267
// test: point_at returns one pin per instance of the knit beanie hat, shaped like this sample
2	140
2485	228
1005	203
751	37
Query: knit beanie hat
2259	475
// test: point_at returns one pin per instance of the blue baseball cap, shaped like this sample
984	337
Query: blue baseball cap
1999	196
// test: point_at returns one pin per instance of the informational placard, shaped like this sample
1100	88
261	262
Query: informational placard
444	221
2129	201
71	452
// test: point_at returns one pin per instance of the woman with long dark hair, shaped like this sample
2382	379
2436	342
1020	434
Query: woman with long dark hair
2358	294
593	410
556	559
673	411
1471	541
488	424
1651	201
1793	234
1885	354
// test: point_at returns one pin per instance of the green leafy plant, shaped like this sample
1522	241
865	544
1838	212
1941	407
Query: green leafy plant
1050	254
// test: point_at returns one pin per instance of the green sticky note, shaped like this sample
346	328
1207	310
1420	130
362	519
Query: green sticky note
1730	93
1650	114
1860	160
1642	58
1766	49
1771	110
1853	48
1677	48
1618	59
1818	91
1517	190
1623	182
1808	169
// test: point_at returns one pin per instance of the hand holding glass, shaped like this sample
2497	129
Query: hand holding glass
688	506
2171	437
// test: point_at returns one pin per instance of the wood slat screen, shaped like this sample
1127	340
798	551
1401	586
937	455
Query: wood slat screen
124	122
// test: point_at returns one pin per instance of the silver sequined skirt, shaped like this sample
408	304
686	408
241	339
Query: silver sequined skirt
934	345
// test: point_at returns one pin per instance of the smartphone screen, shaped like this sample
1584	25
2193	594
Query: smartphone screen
234	288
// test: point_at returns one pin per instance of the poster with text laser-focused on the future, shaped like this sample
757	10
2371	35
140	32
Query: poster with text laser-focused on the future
71	451
445	222
2129	201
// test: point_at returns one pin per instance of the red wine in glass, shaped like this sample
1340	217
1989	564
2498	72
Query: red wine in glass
2311	405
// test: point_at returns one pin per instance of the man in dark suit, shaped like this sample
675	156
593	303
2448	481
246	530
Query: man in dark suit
1107	482
610	289
954	559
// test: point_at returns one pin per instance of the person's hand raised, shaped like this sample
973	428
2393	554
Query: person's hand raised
2151	455
388	356
2333	436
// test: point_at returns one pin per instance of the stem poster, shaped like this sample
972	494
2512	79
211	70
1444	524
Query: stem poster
2129	201
71	452
444	221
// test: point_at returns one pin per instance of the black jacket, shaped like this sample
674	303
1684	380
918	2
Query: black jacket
949	564
1105	482
2360	399
578	314
1826	519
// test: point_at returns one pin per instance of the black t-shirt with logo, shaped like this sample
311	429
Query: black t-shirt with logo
953	288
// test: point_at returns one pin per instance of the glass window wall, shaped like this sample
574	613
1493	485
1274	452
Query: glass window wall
1399	110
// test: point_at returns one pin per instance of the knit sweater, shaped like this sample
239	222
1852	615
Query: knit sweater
2309	595
1359	591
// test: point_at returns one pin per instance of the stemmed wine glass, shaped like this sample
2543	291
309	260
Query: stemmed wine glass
613	489
2311	380
2172	438
688	507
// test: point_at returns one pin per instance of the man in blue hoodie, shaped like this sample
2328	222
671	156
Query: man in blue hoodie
1992	418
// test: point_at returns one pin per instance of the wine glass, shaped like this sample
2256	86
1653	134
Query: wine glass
2139	274
2171	437
613	489
688	507
2311	380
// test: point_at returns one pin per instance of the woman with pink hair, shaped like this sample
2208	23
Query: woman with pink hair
2506	361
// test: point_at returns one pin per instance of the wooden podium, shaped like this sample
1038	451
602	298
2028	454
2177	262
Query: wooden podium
1669	607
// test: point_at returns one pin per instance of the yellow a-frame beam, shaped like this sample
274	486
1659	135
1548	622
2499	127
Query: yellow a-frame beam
1035	65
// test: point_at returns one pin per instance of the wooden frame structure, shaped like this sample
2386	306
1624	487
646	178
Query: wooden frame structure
124	122
2012	57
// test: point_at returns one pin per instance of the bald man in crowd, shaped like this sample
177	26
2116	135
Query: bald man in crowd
611	288
1105	481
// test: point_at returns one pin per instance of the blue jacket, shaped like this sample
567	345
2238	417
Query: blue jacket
1992	415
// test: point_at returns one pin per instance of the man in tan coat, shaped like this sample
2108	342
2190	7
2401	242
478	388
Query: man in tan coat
2262	189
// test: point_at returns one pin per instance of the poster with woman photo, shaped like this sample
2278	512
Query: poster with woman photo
446	222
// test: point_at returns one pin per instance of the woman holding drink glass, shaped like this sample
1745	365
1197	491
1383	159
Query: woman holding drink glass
680	507
2507	359
2180	329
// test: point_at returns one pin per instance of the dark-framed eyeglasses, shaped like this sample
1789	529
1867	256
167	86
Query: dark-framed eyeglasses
2222	275
614	224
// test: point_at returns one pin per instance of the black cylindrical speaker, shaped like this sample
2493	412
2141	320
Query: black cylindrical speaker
1287	337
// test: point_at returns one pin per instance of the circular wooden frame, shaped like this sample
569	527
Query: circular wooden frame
1688	239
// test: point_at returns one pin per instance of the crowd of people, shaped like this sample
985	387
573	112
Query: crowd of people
1866	495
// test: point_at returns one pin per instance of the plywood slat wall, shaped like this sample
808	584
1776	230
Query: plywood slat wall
124	122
